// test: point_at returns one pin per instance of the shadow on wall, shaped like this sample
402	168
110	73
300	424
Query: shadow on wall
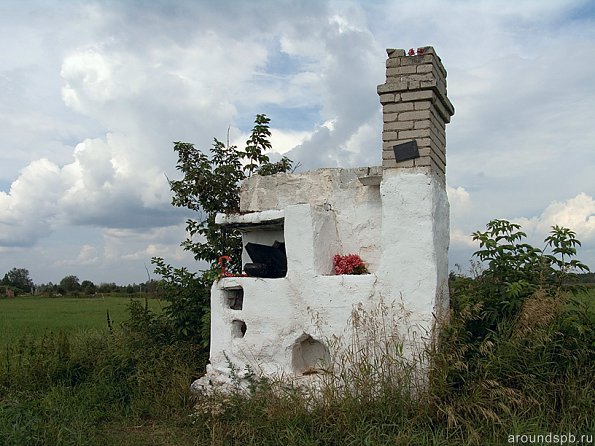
309	356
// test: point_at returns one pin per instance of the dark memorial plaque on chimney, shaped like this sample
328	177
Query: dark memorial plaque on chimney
406	151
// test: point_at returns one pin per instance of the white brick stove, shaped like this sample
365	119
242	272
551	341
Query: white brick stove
396	217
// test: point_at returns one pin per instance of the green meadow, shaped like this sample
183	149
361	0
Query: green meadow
66	379
35	316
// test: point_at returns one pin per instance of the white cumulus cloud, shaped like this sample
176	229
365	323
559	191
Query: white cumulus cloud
95	94
459	198
577	214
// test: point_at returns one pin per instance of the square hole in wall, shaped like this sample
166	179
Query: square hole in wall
238	328
234	298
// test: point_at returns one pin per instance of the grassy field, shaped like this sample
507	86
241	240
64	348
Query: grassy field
65	379
83	385
34	316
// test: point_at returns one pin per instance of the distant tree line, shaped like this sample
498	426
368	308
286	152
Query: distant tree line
17	282
587	279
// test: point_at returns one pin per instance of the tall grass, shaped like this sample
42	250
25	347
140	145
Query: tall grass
130	386
95	387
535	375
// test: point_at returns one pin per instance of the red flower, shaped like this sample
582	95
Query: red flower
349	264
411	52
223	272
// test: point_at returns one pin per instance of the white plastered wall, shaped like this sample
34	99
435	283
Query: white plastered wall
356	208
415	237
400	228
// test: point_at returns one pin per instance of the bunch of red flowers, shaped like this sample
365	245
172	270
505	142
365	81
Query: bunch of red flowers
420	51
224	272
349	264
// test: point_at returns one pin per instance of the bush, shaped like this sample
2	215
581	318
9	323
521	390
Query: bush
188	308
514	271
518	345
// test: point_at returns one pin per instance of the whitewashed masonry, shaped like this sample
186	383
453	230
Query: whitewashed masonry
396	217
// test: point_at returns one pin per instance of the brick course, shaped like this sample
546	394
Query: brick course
415	107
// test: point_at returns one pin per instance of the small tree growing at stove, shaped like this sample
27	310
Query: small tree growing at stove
210	184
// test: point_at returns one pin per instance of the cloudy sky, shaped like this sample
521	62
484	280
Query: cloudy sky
92	94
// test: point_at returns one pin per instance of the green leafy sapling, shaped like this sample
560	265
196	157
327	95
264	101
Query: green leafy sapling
513	271
212	185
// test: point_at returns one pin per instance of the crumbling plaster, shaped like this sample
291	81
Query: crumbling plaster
356	208
402	226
